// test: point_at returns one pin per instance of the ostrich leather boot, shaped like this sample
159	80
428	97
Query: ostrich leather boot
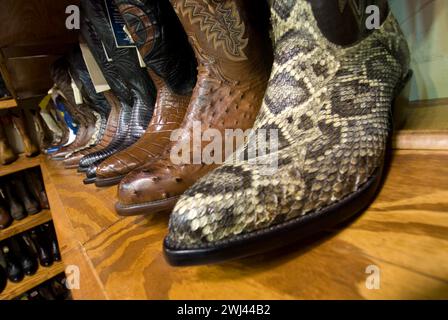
141	92
233	52
30	149
170	60
330	104
7	155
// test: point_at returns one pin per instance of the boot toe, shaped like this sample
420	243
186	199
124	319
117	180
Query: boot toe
153	183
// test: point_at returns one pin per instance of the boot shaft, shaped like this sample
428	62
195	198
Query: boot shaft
230	38
162	43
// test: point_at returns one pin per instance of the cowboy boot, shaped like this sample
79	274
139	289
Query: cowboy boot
330	103
7	155
5	217
111	130
16	209
96	102
25	258
30	204
140	94
11	261
60	72
233	72
30	148
4	92
35	184
170	61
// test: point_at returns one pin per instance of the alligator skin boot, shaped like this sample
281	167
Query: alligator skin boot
30	149
170	60
125	72
7	155
330	102
233	55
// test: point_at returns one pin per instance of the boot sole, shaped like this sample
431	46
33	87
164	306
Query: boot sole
107	182
280	235
146	208
89	180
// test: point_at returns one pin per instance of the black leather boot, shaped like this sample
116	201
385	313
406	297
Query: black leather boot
139	95
16	209
13	266
42	247
93	100
3	279
24	254
50	233
30	204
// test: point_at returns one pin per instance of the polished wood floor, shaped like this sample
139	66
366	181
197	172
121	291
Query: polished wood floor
404	235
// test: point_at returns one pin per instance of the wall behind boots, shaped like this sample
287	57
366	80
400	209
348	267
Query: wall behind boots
425	25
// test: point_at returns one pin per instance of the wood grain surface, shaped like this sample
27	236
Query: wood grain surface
404	233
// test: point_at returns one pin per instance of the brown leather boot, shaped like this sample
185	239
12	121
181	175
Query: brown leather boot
111	128
80	113
5	218
233	51
171	64
7	155
30	149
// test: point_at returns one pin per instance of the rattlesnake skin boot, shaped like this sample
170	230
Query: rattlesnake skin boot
170	61
234	61
330	104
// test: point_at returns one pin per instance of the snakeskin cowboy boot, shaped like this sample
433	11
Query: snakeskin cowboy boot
169	58
233	55
330	105
139	86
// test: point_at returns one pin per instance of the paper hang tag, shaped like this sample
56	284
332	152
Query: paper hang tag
116	21
140	58
77	93
45	101
94	69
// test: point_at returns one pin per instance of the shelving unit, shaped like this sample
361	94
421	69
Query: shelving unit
20	164
26	224
14	290
7	104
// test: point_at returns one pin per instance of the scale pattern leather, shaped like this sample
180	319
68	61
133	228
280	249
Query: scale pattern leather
233	73
124	72
169	58
108	136
331	107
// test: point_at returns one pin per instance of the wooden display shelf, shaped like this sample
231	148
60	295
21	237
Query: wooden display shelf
423	126
22	163
13	290
7	104
25	224
404	233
